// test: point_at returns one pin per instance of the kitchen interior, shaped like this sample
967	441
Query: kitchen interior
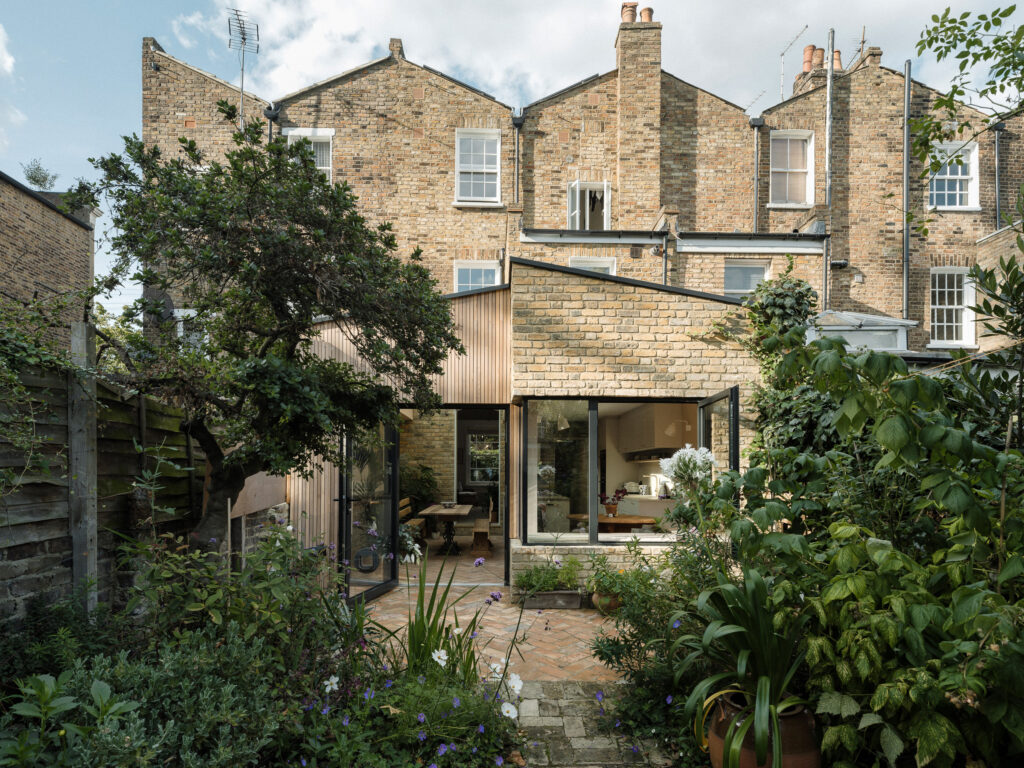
631	440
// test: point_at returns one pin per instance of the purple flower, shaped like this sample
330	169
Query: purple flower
480	728
325	710
356	523
600	695
473	633
432	765
421	679
601	711
488	601
344	720
635	749
368	694
668	699
388	683
496	596
456	702
422	735
421	717
499	760
442	749
213	541
302	760
478	562
676	623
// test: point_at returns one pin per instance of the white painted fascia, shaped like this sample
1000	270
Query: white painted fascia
574	237
746	245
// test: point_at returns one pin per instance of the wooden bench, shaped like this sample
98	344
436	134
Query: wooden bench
418	525
481	536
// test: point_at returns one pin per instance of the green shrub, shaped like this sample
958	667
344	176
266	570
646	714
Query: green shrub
551	576
419	483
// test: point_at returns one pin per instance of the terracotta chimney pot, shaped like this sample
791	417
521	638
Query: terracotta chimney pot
819	58
629	12
646	14
837	61
808	55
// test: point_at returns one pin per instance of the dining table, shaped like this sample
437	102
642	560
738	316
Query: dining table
449	516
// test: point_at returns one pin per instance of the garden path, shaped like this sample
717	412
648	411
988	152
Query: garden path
561	715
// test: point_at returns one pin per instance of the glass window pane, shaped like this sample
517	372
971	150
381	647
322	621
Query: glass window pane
557	467
797	187
778	187
798	154
743	278
780	155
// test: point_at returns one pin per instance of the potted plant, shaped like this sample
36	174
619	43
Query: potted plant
611	503
756	715
603	585
554	584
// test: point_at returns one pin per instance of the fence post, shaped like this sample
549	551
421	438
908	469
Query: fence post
82	461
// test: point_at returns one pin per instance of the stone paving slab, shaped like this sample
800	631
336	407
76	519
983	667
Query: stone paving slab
573	734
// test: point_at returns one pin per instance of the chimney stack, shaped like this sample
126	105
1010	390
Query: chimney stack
395	46
629	12
818	61
808	55
837	62
638	140
646	15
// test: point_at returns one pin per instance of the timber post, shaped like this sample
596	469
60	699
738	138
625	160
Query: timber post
82	468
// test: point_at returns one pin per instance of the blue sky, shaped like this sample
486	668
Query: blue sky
70	80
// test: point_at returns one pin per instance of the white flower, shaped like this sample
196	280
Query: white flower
515	682
440	656
331	683
508	709
456	630
495	670
689	465
290	528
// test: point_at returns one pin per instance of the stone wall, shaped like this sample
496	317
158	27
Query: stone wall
430	440
591	337
43	252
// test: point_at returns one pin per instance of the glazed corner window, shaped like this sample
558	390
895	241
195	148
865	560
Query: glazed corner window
187	328
478	176
321	139
952	296
743	275
792	169
471	275
604	265
955	184
588	205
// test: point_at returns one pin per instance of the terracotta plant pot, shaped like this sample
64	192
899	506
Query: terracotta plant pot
629	12
799	743
606	604
611	509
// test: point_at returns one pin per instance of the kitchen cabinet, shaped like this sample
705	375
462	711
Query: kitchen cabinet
652	427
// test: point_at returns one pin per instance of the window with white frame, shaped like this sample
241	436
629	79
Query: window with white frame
603	264
322	141
477	168
743	275
955	185
952	296
792	169
471	275
588	205
187	328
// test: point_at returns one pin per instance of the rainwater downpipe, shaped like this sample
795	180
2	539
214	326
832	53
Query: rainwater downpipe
664	258
756	123
998	129
830	65
906	189
517	122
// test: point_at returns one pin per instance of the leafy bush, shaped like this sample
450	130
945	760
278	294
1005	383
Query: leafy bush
549	577
419	483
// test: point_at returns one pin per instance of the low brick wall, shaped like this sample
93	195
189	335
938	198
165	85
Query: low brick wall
522	557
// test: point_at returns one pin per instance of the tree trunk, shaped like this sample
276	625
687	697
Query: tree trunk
226	484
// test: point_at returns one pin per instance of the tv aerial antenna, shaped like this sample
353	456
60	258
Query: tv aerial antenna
244	37
782	64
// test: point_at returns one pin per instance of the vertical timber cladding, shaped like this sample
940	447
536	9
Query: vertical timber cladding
482	376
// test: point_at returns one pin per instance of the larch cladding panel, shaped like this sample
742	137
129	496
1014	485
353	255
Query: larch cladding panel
394	144
575	336
481	376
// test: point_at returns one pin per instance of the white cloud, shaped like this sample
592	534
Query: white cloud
6	59
10	116
520	52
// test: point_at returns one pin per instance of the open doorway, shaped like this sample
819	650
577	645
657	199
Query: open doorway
454	474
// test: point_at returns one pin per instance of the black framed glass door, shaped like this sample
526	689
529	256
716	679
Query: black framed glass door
718	426
368	512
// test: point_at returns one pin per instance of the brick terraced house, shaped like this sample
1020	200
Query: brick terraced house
591	241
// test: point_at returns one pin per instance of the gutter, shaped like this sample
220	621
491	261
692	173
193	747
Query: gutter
998	129
517	123
756	123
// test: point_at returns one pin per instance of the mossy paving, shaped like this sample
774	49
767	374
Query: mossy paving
562	726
